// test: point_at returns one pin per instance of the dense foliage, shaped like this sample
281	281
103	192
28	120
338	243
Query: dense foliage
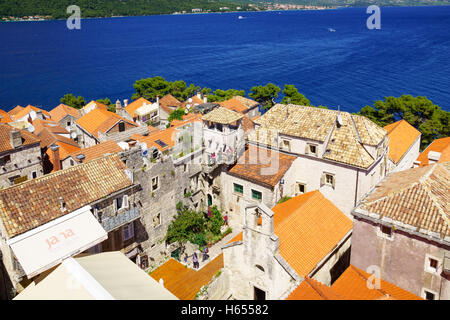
420	112
265	95
108	8
72	101
195	227
176	114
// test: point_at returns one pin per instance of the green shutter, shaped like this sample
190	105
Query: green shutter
238	188
256	195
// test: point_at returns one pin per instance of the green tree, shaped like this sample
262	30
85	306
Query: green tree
291	95
420	112
150	88
72	101
222	95
185	227
176	114
265	95
111	106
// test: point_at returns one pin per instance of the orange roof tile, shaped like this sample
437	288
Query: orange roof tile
237	238
99	120
54	127
309	226
351	285
35	202
136	104
5	118
64	150
5	145
97	104
401	135
168	103
48	137
184	282
15	110
238	104
167	136
59	112
22	113
439	145
252	169
195	100
94	152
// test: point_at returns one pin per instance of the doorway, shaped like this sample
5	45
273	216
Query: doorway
259	294
209	200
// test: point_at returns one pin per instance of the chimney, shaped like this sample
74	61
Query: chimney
15	138
433	157
205	99
199	95
157	100
54	159
81	157
118	106
125	102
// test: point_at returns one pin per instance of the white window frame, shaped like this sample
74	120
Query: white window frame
430	269
309	145
128	231
436	295
296	185
251	194
283	146
125	202
35	172
157	183
381	234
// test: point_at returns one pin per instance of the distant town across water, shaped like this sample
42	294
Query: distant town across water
329	55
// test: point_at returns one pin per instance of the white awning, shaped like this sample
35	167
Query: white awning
46	246
147	109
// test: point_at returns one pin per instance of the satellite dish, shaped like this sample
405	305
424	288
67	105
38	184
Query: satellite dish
339	120
186	111
73	135
30	128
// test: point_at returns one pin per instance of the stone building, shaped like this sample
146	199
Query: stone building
243	105
257	177
93	206
342	155
95	126
65	116
20	156
306	236
402	231
404	145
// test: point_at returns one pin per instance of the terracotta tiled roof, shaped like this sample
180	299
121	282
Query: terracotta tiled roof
136	104
24	111
166	136
311	289
52	126
247	124
351	285
187	118
237	238
309	227
5	118
64	150
15	110
184	282
417	197
346	141
5	144
97	104
439	145
195	100
256	163
48	137
239	104
99	120
222	115
59	112
402	136
32	203
169	102
97	151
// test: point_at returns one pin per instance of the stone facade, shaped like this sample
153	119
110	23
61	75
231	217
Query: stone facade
402	259
21	163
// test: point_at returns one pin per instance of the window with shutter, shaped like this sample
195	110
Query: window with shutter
128	231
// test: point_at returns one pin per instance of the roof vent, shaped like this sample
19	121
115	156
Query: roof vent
339	120
80	157
433	156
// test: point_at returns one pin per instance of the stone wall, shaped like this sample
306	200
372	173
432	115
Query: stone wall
401	260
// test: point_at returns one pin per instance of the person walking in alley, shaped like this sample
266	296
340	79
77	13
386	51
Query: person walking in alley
185	258
205	253
195	260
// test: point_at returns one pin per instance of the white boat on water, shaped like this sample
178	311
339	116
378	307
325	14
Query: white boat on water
240	17
331	30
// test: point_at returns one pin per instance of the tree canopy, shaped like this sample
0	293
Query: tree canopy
72	101
176	114
291	95
420	112
222	95
265	95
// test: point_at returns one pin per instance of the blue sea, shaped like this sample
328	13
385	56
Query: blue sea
351	67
